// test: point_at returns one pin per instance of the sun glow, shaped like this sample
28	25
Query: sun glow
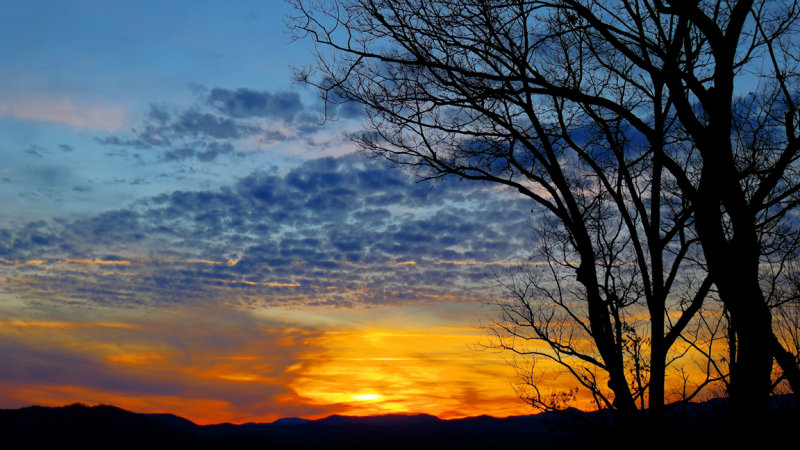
355	368
367	397
402	370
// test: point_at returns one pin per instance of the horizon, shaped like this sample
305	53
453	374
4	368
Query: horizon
391	414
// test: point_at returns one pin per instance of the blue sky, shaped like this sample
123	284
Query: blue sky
171	200
78	72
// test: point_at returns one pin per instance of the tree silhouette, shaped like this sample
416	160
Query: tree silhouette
626	123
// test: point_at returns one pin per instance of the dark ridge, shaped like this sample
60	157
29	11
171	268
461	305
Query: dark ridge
90	427
383	420
688	426
287	421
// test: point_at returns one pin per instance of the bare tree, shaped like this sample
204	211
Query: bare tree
622	121
746	181
546	323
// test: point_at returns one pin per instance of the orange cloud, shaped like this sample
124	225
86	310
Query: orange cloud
254	283
493	263
94	262
208	366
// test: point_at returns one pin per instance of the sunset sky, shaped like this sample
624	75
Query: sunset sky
181	233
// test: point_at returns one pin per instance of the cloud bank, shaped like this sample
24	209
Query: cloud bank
337	231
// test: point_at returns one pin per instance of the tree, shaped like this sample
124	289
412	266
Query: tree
621	119
545	321
748	145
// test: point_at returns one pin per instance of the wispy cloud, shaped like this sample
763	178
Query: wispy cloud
65	111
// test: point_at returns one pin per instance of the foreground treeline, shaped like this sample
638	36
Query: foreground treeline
659	144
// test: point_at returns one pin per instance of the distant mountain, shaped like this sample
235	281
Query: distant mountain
288	421
95	427
109	427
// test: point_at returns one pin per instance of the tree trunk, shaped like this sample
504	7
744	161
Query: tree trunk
600	323
657	374
750	389
788	365
732	258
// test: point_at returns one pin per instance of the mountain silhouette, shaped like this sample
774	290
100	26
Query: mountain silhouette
94	427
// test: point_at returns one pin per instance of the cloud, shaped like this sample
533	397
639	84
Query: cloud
66	111
178	154
222	122
218	365
236	364
215	149
245	301
330	230
341	107
36	150
162	129
199	124
211	151
243	103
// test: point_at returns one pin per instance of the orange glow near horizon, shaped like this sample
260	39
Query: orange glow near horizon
381	371
214	366
269	373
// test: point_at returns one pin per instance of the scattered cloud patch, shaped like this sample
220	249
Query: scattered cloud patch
244	103
226	122
36	150
215	149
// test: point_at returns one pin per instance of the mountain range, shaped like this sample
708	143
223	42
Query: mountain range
80	426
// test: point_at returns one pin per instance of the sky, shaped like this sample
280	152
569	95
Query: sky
181	232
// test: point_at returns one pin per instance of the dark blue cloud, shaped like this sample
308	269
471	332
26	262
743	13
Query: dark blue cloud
211	151
216	125
199	124
159	114
339	107
330	220
244	103
178	154
36	151
215	149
